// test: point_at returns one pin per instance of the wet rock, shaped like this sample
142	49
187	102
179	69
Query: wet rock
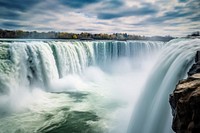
195	67
185	101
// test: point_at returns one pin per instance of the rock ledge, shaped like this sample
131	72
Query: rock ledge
185	101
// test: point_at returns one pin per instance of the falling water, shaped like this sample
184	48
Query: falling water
152	113
90	86
41	62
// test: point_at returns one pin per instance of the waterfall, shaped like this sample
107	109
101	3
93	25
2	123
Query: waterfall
152	113
108	51
72	57
39	63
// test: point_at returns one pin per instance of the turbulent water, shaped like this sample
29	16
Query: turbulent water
49	86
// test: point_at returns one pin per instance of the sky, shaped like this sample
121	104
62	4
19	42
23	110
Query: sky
141	17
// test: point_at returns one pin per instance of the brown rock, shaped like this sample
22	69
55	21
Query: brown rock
185	102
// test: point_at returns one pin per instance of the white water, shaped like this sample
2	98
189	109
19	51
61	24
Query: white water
111	74
152	114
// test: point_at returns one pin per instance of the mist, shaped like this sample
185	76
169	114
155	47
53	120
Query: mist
112	93
107	90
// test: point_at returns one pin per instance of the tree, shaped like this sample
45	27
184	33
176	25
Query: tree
74	36
195	33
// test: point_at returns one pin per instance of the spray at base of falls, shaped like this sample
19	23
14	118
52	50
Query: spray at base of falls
94	82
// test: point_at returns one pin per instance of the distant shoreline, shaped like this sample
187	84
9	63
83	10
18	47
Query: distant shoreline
49	39
19	34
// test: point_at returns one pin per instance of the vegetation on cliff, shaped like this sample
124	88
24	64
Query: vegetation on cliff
82	36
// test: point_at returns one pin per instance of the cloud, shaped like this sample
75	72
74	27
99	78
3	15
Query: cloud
107	4
182	1
186	13
78	3
8	14
111	15
189	11
176	14
85	29
10	24
18	4
133	11
98	16
12	9
195	18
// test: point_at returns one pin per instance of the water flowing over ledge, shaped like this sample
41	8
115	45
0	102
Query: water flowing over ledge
90	81
152	114
41	62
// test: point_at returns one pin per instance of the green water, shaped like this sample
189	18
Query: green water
66	114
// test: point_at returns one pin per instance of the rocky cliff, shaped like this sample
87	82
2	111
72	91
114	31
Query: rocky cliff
185	101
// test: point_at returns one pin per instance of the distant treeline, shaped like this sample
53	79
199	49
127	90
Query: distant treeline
81	36
194	34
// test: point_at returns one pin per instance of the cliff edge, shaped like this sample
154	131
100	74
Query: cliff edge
185	101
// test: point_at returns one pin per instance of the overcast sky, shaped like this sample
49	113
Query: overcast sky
145	17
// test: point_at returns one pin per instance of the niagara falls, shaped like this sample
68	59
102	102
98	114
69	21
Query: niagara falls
99	66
